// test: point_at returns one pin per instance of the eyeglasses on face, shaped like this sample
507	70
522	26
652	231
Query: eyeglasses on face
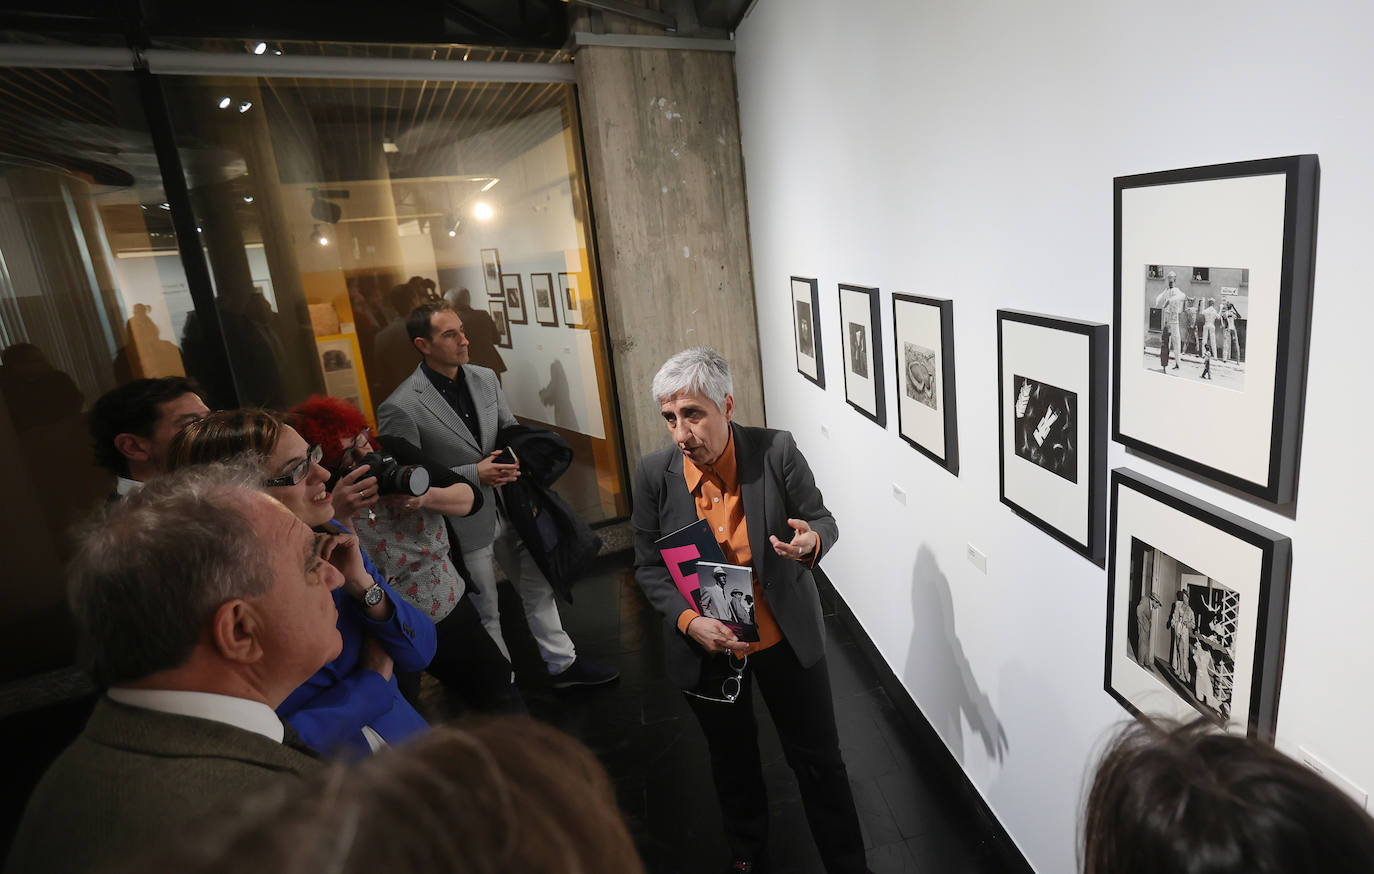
298	470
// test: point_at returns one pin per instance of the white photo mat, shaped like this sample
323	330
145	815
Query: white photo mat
1233	222
1060	358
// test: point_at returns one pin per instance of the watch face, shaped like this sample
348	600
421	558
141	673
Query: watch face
373	596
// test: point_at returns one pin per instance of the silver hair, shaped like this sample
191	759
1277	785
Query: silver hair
699	370
150	571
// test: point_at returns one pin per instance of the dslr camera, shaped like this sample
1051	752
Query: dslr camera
393	478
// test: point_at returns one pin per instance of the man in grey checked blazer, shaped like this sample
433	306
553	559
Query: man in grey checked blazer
453	410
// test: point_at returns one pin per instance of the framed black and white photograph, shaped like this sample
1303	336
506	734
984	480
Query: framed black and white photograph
502	320
1196	599
1213	296
1052	417
514	288
806	306
570	294
861	338
923	347
545	310
491	272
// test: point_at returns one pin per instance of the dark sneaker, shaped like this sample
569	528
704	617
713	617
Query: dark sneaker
584	672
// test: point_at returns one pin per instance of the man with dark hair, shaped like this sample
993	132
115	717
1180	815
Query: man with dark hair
453	409
482	332
132	426
200	604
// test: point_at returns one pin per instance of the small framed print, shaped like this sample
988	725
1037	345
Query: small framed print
502	320
514	289
806	307
1213	298
923	353
861	337
545	310
1052	418
570	292
491	272
1196	603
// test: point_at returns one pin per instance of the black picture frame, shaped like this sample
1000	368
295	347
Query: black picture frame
568	287
861	342
1275	411
513	285
546	315
1036	485
1267	590
947	454
491	272
501	318
806	309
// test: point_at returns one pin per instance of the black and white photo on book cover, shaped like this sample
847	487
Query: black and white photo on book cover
1212	309
726	593
1196	604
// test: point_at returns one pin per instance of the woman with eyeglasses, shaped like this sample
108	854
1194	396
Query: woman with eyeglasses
352	705
408	539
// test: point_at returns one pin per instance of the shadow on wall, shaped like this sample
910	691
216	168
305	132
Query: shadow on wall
936	664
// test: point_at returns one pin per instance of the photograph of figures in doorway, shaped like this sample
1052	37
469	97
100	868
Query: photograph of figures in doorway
1047	426
1182	628
858	349
804	341
1195	323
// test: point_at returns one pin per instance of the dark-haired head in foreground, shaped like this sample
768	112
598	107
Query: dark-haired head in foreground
1187	799
492	797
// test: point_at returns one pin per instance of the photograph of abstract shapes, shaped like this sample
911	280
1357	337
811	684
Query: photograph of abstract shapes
1047	426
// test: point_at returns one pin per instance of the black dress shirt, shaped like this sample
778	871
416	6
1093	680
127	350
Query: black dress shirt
455	392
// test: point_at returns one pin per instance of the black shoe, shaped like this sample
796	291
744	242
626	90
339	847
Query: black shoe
740	867
584	672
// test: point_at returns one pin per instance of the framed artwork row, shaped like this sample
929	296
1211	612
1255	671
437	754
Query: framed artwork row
1196	604
1213	296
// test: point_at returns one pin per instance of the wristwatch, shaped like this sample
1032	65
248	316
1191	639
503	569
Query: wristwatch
373	596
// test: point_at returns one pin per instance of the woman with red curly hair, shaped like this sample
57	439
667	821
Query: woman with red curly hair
408	539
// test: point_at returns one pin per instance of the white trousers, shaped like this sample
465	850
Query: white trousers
536	594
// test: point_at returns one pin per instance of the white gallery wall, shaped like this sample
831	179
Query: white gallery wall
967	150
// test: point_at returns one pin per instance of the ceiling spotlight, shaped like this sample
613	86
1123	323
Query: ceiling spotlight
165	205
248	198
259	48
321	239
482	211
224	102
245	106
490	184
389	146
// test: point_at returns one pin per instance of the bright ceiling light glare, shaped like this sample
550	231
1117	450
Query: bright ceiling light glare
389	146
260	48
452	232
248	198
224	102
321	239
490	184
482	211
245	106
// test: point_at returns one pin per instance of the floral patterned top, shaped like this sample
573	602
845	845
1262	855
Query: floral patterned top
411	550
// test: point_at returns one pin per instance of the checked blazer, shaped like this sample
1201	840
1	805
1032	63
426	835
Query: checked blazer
417	412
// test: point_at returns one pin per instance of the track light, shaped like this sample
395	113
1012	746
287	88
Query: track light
482	211
260	48
224	102
245	106
319	238
248	198
490	184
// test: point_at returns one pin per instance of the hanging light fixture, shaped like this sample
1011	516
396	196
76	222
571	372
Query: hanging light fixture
319	238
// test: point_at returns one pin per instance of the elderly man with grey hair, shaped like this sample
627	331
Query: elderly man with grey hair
200	604
754	489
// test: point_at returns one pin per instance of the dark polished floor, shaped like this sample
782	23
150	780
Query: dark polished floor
643	731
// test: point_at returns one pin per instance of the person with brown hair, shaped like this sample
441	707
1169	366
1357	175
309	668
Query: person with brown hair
352	705
1186	798
508	795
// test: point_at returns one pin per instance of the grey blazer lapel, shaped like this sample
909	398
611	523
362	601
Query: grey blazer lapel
749	466
682	510
484	398
435	403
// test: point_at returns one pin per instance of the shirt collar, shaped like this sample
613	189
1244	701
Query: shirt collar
126	486
241	713
724	468
440	381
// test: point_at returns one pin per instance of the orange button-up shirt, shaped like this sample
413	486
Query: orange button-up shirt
715	487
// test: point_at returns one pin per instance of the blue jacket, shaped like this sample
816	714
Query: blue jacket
330	709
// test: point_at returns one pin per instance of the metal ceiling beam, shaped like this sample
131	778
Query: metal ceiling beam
183	63
637	41
57	57
630	10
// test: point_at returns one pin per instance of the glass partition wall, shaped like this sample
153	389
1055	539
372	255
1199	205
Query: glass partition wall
318	203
